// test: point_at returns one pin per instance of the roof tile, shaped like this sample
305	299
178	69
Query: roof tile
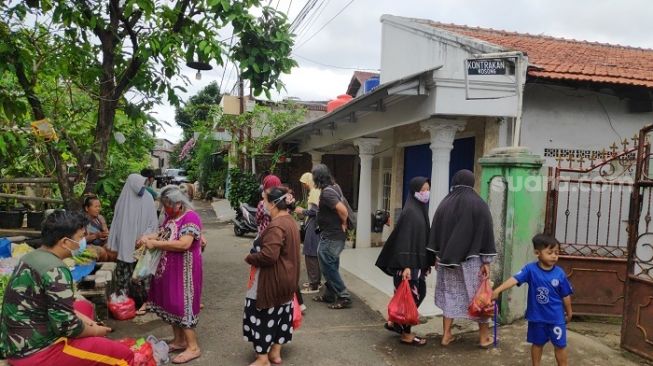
564	59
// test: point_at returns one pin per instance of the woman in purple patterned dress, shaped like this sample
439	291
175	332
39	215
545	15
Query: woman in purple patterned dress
176	287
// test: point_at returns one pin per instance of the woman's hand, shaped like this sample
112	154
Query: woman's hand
485	269
299	210
406	274
150	243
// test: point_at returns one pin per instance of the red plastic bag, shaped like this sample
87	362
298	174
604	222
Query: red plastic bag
481	305
144	356
402	308
122	307
297	316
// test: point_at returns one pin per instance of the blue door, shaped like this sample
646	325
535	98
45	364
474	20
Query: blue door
417	160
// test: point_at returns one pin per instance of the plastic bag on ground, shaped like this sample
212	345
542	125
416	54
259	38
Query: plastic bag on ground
122	307
160	350
402	308
481	305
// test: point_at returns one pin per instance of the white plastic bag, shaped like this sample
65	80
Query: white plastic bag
147	264
160	350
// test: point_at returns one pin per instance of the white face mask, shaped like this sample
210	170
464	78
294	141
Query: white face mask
423	196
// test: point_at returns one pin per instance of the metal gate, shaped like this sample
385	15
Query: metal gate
637	325
588	203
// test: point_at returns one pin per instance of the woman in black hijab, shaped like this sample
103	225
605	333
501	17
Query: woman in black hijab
404	254
462	239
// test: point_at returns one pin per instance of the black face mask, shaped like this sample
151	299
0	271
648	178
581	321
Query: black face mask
141	192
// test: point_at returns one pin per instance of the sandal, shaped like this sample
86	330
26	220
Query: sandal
186	356
394	328
321	298
416	341
340	304
175	348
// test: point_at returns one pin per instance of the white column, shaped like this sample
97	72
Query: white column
364	220
442	136
316	157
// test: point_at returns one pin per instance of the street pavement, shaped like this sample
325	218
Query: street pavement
327	337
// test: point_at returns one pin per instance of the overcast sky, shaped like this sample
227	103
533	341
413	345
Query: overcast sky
352	40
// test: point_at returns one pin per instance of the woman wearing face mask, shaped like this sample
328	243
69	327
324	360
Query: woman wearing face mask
267	322
176	288
40	323
134	216
404	254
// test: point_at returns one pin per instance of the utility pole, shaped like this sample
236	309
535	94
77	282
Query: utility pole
241	97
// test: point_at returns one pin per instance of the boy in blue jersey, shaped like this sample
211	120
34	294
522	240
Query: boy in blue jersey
549	303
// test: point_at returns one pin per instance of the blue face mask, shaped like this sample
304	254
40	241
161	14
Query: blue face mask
82	247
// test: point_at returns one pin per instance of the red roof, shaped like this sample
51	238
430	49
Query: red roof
559	58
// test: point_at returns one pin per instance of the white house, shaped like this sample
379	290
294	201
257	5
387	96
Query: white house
451	93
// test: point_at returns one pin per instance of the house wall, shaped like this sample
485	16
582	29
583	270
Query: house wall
489	95
557	117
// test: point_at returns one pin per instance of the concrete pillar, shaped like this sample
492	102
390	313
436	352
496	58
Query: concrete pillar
364	219
316	157
518	213
442	136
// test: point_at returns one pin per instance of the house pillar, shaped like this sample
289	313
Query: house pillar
316	157
364	215
442	136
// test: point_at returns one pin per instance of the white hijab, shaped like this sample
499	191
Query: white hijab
134	216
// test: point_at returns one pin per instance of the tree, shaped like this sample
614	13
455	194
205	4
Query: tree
110	49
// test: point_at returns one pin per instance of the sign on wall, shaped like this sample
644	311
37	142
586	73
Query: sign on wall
486	66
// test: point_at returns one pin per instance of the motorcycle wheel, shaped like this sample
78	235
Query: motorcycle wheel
238	231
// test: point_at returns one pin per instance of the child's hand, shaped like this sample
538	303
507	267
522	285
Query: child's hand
568	317
495	294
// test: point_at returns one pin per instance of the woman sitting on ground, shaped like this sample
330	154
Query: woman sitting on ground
39	323
97	230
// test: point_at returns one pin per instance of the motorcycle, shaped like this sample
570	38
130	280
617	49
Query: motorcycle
245	221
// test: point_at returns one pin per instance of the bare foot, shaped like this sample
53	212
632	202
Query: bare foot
447	340
186	356
261	360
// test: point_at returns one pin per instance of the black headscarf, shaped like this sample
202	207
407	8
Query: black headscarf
406	245
462	225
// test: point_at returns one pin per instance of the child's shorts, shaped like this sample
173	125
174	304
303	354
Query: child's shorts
540	333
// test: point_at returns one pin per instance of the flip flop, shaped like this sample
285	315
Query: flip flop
340	304
174	348
185	357
416	341
320	298
453	339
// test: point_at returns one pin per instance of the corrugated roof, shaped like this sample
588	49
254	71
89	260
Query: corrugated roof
559	58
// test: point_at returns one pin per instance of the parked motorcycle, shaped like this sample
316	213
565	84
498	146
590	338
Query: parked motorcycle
245	221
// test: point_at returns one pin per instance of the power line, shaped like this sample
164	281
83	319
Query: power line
334	66
325	24
312	19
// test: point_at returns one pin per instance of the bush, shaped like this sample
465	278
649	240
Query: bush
243	188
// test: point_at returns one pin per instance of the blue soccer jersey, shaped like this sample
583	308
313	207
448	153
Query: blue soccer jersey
546	289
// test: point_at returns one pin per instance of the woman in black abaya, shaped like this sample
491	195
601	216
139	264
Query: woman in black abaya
404	254
462	239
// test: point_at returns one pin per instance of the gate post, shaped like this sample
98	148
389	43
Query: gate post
514	185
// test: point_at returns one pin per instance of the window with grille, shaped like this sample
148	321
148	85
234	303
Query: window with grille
387	183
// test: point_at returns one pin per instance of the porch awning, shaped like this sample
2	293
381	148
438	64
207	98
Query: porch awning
415	85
